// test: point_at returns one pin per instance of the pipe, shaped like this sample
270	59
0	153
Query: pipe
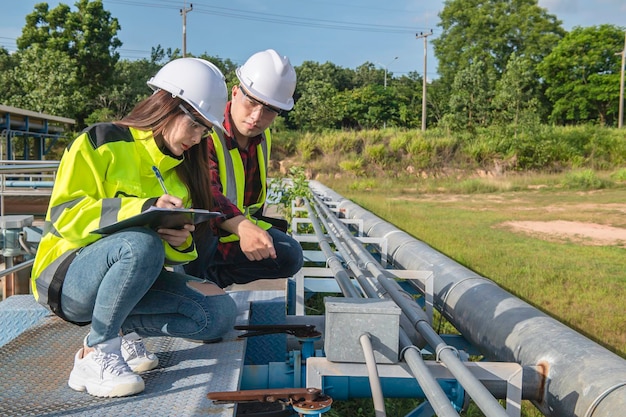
432	390
372	371
19	125
447	354
341	276
343	240
11	269
582	377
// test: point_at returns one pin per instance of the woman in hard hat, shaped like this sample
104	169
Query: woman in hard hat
118	282
250	247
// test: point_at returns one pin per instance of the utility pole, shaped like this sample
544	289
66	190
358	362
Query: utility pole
417	36
385	85
183	13
620	121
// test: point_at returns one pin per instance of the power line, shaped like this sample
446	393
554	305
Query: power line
301	22
282	19
10	44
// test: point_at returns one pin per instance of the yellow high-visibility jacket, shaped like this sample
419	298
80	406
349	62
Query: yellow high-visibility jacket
233	177
105	176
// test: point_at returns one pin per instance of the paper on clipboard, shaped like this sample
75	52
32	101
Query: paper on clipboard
157	217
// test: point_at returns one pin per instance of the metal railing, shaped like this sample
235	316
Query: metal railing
26	178
364	265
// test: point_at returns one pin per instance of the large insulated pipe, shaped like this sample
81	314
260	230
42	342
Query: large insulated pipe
583	379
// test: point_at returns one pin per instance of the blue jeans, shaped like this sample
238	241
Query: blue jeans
119	282
211	264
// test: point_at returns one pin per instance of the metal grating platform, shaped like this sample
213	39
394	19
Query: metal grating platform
17	314
34	368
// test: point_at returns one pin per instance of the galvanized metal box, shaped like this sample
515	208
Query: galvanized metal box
348	318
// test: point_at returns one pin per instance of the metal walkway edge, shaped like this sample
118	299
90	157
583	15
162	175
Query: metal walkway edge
35	365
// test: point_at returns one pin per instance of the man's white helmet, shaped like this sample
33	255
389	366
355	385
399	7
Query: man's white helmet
198	82
270	78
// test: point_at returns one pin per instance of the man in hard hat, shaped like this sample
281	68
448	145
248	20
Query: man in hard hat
246	246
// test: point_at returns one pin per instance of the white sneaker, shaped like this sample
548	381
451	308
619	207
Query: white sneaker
136	355
103	372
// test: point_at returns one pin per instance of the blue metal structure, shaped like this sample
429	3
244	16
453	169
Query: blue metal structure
42	129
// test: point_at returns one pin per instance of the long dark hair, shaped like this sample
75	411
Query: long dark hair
154	113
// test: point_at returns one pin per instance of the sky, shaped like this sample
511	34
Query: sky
347	33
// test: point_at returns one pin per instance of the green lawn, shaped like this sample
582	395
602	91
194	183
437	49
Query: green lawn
581	285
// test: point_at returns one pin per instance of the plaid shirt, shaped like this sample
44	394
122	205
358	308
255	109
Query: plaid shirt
252	189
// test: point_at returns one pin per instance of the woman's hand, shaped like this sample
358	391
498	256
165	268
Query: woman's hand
176	237
169	201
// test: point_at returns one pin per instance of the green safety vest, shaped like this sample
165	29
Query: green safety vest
104	176
233	177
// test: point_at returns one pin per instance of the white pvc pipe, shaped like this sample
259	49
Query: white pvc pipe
372	370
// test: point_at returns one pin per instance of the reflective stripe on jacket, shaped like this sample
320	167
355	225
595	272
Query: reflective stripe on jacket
233	177
106	175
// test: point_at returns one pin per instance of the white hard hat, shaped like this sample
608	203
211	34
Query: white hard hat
269	78
198	82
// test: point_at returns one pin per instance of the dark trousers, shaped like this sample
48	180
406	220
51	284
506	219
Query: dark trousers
239	270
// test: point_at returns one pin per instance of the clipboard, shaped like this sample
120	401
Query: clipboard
157	217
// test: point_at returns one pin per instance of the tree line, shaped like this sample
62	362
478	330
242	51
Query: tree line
501	62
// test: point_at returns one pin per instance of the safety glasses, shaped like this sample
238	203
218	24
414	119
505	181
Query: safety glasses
196	123
254	104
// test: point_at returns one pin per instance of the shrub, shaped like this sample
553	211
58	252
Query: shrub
586	180
361	185
619	175
376	153
353	166
307	147
399	143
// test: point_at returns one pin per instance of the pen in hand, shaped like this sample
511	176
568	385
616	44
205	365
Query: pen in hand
159	177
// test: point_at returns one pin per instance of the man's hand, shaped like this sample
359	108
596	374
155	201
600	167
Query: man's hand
255	242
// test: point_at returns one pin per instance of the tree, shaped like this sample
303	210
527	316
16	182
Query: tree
317	86
161	56
43	80
438	99
514	101
87	36
407	91
490	31
367	107
367	74
582	75
7	63
339	78
128	88
315	110
470	101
